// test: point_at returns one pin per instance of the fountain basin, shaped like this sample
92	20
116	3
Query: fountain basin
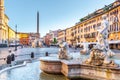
50	65
79	70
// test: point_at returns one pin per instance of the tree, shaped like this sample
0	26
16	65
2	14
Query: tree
82	19
106	8
55	41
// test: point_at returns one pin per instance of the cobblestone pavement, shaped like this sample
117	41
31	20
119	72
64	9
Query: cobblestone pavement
24	53
3	54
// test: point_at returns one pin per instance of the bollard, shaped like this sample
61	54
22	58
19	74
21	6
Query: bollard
8	61
9	50
46	54
12	57
32	54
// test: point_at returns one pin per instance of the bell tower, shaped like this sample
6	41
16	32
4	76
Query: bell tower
1	12
1	19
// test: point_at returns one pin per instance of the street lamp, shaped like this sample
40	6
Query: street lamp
16	38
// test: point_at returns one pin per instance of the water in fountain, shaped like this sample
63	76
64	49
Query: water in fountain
32	71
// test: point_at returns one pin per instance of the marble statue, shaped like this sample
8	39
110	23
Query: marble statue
99	55
85	49
64	51
103	36
36	43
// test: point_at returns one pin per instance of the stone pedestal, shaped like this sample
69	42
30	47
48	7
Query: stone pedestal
71	69
78	70
50	65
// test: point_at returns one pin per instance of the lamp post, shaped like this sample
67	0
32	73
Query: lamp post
16	38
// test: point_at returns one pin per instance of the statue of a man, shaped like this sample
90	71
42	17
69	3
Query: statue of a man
85	49
64	50
103	36
99	54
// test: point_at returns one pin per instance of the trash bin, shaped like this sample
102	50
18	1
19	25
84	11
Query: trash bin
46	54
8	61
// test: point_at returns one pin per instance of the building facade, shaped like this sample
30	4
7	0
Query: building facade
54	34
69	35
47	39
3	24
86	29
61	36
24	38
9	36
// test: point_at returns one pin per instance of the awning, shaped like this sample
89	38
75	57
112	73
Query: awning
114	42
110	42
87	43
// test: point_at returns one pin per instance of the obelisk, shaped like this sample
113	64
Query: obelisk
38	35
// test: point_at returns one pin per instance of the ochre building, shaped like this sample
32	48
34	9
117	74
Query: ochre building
86	29
8	35
24	38
61	36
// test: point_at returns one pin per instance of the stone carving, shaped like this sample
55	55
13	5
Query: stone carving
100	53
85	49
63	51
36	43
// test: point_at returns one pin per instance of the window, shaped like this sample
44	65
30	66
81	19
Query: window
81	30
110	28
119	27
81	36
94	26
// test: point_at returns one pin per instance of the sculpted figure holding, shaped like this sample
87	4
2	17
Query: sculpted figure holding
100	53
64	51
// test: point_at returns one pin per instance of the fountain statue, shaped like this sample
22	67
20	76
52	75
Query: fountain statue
98	66
36	43
100	53
63	51
85	49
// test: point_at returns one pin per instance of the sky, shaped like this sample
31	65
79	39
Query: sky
54	14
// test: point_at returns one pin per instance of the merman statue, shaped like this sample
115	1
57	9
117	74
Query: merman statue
85	49
36	43
64	51
103	37
99	55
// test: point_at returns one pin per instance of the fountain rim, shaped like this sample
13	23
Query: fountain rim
50	59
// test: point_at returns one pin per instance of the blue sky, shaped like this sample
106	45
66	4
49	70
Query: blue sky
54	14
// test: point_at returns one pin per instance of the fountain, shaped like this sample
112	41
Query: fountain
30	70
97	66
102	45
64	51
36	43
85	49
100	53
53	64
